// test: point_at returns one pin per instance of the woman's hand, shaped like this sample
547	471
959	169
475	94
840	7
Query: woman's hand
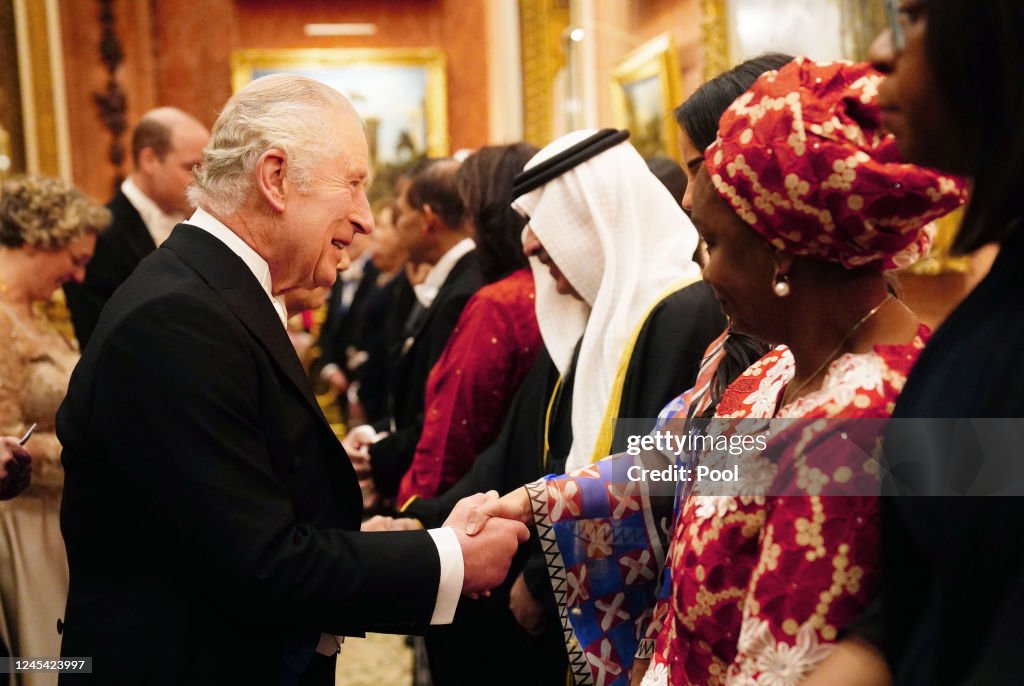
514	505
15	467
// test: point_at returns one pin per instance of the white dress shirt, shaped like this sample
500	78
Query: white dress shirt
427	291
158	223
448	549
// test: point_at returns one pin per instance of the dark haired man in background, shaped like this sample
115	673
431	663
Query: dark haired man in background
166	144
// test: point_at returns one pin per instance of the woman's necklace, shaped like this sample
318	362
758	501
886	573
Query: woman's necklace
24	312
831	356
11	304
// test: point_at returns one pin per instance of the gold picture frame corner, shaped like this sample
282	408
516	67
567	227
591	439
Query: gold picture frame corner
656	57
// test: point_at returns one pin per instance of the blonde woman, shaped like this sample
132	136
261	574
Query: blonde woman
47	236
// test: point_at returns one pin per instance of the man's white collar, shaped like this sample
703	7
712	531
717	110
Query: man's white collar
257	265
158	223
428	290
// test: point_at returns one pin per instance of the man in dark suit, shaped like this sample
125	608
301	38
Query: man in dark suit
209	513
166	144
345	327
430	221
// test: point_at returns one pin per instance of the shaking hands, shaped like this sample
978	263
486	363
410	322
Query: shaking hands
488	540
489	530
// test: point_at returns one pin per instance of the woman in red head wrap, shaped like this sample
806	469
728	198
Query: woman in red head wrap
804	203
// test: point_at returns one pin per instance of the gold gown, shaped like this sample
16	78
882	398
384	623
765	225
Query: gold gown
35	366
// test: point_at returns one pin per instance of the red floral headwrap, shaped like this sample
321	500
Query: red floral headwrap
802	158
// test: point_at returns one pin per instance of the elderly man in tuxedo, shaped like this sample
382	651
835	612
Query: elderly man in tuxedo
209	512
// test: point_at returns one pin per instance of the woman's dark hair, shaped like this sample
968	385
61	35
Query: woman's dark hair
741	351
699	113
485	184
977	59
671	175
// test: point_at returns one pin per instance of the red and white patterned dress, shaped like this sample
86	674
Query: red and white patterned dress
761	585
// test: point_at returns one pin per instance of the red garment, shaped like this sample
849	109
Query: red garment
470	388
802	158
761	585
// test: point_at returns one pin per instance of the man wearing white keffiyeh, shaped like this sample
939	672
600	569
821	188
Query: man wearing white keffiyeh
624	244
602	228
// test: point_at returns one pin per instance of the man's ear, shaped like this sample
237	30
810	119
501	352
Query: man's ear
431	220
147	161
271	170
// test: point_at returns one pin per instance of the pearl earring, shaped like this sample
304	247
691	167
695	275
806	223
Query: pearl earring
781	286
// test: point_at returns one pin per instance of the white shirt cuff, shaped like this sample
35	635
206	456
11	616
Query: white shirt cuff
449	590
328	370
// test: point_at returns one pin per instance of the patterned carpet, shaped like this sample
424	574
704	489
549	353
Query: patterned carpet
377	660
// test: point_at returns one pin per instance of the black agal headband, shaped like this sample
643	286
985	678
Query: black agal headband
571	157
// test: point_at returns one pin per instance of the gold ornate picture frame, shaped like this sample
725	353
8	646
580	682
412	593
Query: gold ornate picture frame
645	89
401	95
34	135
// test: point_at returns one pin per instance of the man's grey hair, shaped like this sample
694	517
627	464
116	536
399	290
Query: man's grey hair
292	113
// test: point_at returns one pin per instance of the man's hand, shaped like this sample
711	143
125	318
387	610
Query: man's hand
357	444
527	610
514	506
361	463
487	554
337	380
15	468
382	523
369	493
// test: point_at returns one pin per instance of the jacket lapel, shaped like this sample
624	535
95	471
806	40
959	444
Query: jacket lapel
419	325
136	235
229	276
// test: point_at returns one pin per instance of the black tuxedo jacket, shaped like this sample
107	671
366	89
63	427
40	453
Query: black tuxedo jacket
119	250
208	506
386	310
422	343
342	331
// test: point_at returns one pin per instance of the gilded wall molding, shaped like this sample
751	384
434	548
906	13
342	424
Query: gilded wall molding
542	24
112	101
715	27
41	81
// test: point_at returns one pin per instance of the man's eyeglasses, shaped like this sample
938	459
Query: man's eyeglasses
901	14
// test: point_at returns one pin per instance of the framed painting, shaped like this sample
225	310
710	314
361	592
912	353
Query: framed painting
645	89
401	96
